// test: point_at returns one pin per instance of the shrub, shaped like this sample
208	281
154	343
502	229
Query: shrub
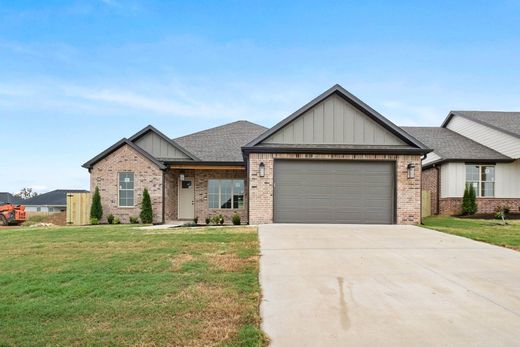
110	218
146	208
117	220
469	200
96	210
501	212
94	221
217	219
196	220
208	220
134	220
235	219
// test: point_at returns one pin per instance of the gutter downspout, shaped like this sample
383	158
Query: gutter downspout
438	193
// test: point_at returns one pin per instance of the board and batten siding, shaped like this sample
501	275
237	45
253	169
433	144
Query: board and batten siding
334	121
159	147
492	138
507	180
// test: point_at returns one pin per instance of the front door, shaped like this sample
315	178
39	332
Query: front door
186	198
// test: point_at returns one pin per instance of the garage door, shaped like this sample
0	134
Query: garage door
334	192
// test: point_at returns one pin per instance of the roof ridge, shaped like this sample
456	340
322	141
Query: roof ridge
217	127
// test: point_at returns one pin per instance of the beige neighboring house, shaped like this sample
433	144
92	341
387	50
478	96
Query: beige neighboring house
334	160
481	148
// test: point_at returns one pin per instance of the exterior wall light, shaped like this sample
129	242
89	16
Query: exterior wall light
411	170
261	170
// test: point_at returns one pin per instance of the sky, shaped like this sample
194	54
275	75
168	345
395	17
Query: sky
77	76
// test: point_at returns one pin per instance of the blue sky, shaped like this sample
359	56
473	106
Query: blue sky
77	76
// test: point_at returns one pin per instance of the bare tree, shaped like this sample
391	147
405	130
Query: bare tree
26	193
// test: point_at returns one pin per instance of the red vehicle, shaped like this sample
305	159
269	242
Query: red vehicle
12	214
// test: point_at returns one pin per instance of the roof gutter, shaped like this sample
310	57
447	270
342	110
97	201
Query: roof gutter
247	150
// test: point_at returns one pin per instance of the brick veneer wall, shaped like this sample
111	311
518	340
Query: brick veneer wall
202	209
408	204
429	183
104	174
453	206
171	187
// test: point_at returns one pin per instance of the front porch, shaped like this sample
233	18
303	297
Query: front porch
202	191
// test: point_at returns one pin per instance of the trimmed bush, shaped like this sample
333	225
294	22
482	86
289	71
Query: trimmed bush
217	219
208	220
146	208
469	200
134	220
235	219
196	220
96	210
94	221
117	220
110	219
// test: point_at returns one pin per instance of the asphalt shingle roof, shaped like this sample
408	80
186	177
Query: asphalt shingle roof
9	198
505	121
450	145
222	143
54	198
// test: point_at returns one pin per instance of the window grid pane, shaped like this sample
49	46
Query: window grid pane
126	189
226	194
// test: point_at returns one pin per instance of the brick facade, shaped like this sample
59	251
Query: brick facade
408	204
430	182
453	206
104	174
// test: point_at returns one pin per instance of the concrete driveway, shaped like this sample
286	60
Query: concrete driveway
352	285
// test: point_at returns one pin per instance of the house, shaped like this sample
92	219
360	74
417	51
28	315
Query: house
50	202
334	160
472	147
8	198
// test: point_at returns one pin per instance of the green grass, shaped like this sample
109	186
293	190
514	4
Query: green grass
118	285
490	231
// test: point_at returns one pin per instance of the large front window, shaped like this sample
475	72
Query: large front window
126	189
482	177
226	194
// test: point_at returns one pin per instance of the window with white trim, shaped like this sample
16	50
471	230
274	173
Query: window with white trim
482	177
126	189
226	194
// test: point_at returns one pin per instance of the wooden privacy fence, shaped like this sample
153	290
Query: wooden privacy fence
78	208
426	203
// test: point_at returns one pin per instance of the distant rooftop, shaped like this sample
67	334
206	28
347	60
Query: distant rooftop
56	197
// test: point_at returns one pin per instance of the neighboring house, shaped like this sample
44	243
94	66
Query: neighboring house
335	160
9	198
472	147
51	202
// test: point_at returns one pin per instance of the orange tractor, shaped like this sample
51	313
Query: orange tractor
12	214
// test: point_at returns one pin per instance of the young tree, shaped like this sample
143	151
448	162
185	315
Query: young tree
146	208
472	200
469	200
96	210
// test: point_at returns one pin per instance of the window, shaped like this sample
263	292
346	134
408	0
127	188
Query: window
482	177
226	194
126	189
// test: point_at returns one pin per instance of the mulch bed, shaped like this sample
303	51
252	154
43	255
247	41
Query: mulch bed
489	216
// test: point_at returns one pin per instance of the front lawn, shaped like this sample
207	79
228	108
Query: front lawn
490	231
118	285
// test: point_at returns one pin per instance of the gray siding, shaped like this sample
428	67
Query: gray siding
492	138
334	121
334	192
159	148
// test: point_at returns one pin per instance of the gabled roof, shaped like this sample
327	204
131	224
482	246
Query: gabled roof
150	128
56	197
342	92
116	146
506	122
222	143
9	198
451	146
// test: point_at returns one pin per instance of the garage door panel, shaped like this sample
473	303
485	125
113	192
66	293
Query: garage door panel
333	192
